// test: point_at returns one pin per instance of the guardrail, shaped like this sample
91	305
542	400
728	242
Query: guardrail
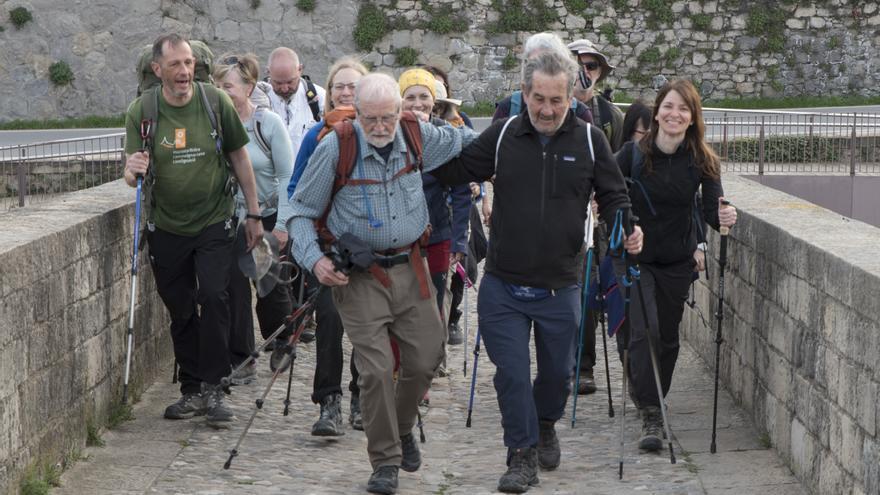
30	173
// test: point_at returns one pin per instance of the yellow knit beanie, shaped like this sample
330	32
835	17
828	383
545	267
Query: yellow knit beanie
417	77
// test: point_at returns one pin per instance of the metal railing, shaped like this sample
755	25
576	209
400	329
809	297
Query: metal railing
30	173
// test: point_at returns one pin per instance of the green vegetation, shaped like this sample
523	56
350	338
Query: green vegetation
649	57
40	478
93	121
119	413
672	53
834	42
60	73
768	23
305	5
406	56
660	12
479	109
765	441
620	5
521	15
93	435
575	6
20	16
701	22
609	30
784	149
255	4
371	26
792	102
443	21
510	61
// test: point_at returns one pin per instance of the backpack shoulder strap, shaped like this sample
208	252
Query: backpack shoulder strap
264	144
515	103
312	98
590	143
500	137
150	112
348	155
412	134
638	161
211	102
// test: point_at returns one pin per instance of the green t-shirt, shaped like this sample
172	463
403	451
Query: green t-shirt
190	177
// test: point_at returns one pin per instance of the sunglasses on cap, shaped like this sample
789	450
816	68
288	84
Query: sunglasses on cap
591	65
233	60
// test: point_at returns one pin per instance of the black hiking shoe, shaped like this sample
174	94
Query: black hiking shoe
330	422
456	337
522	471
586	383
355	418
548	446
245	375
279	358
308	333
411	458
187	406
383	480
652	429
216	413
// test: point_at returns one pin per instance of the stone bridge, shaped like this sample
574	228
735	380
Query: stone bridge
799	370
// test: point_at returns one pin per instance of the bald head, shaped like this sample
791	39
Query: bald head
284	71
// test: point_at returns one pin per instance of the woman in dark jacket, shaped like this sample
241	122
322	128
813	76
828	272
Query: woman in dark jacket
666	168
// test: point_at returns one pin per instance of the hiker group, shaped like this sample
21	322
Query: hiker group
369	188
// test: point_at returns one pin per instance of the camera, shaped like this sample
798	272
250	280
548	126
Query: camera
351	254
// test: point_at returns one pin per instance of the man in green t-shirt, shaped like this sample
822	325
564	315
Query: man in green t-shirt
190	231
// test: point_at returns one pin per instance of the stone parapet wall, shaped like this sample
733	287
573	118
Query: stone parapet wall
801	345
729	48
64	299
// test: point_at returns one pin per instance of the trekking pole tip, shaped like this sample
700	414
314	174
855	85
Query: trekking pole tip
620	471
610	412
286	407
228	463
468	422
225	381
259	403
712	448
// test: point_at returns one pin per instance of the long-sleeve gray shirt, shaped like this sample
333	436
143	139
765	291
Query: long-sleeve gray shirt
398	204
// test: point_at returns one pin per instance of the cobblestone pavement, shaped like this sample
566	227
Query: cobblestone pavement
153	455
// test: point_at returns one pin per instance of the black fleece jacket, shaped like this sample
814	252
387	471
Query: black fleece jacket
541	196
669	223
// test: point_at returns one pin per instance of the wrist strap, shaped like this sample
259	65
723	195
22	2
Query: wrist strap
253	216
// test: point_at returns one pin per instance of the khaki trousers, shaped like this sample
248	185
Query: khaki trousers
370	314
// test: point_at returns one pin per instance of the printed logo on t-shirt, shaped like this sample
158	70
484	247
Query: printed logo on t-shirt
165	144
180	138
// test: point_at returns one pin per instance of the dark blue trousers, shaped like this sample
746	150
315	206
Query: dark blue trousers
505	326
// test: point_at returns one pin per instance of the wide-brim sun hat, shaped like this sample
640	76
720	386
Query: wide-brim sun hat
586	47
440	91
260	264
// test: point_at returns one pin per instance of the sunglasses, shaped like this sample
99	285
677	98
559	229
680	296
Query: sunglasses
233	60
591	65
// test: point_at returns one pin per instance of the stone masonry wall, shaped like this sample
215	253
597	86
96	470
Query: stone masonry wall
801	330
729	48
64	299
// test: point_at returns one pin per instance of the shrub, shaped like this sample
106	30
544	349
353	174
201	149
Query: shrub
575	6
305	5
406	56
20	16
515	15
650	56
60	73
701	22
769	24
661	12
783	149
609	30
510	61
371	26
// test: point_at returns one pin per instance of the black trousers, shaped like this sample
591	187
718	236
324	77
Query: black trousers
456	288
328	346
665	289
192	274
272	309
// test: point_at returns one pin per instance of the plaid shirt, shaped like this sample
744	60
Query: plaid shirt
399	204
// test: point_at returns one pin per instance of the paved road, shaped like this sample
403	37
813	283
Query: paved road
152	455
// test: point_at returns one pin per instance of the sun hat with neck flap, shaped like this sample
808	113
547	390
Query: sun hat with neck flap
417	77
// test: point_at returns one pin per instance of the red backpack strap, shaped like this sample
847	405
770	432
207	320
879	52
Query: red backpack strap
345	133
412	134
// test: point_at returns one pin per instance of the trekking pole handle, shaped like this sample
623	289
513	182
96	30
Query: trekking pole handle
724	230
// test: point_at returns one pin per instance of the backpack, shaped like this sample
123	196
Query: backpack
264	144
349	157
204	66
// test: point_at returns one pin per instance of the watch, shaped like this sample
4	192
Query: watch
251	216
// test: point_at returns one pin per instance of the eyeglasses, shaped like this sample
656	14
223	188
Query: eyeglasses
340	86
591	65
386	120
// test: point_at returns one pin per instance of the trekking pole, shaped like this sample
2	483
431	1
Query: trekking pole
605	346
292	343
580	347
462	273
473	378
134	274
421	426
174	372
588	240
616	242
719	315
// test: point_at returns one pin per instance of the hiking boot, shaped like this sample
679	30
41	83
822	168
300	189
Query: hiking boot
425	401
522	471
308	333
187	406
548	446
652	429
216	413
411	458
355	418
245	375
278	359
586	383
456	337
330	422
383	480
